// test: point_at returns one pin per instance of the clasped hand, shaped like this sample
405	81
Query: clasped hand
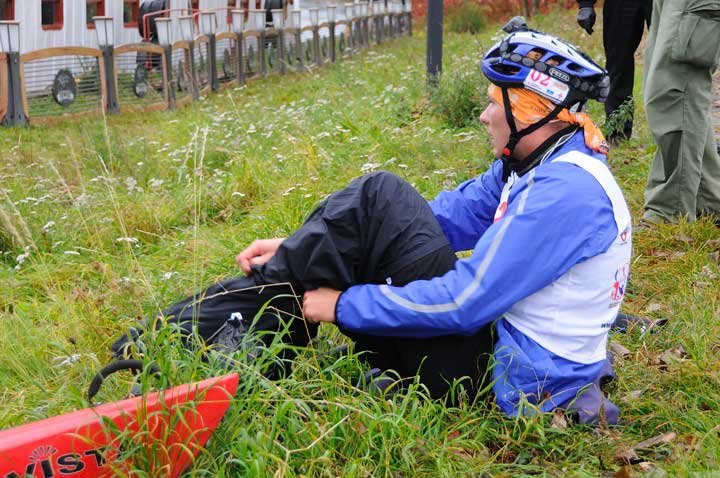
318	305
258	253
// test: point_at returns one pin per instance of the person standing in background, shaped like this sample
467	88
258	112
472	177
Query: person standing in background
682	52
623	25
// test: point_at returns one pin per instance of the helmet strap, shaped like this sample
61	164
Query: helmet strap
534	158
516	136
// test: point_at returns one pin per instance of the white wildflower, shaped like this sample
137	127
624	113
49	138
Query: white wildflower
131	185
67	360
156	183
369	167
21	259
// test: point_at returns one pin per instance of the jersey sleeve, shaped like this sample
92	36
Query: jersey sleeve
555	219
465	213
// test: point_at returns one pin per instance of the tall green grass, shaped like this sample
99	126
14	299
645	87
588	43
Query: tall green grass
108	220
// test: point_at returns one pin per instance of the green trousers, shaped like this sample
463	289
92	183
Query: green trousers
682	52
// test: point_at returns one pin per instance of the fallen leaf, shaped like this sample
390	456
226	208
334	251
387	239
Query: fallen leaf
633	395
654	307
462	453
623	472
453	435
653	471
672	356
656	473
646	466
684	238
627	456
662	439
360	428
707	273
559	421
689	443
668	254
619	350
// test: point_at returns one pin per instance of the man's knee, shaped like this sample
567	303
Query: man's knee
383	177
384	181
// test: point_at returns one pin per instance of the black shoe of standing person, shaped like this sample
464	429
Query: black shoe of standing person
381	383
617	137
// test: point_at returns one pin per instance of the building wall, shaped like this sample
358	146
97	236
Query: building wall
75	31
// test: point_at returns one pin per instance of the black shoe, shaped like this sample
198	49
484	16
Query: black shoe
624	321
618	137
380	383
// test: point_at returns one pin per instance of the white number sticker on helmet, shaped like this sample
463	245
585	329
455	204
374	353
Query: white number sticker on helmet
546	86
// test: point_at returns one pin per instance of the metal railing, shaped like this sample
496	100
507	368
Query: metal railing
43	85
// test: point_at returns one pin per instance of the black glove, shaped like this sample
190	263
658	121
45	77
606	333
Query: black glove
586	18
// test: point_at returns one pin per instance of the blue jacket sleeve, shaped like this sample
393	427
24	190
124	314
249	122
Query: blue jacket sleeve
465	213
556	218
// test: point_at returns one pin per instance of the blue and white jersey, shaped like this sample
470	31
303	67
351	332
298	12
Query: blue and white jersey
550	258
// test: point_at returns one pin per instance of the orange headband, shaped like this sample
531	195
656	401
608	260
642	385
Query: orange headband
529	107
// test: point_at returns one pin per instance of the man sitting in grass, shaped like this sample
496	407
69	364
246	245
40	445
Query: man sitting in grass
528	312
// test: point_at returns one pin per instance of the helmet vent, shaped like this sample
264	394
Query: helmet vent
536	53
506	69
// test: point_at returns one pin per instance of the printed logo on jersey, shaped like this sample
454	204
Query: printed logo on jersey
504	198
624	235
500	211
618	288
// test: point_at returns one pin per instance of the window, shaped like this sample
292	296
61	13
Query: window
94	8
131	12
7	10
51	14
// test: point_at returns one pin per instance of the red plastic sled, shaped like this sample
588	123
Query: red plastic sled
171	427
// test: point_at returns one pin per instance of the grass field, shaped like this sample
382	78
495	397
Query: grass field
106	221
